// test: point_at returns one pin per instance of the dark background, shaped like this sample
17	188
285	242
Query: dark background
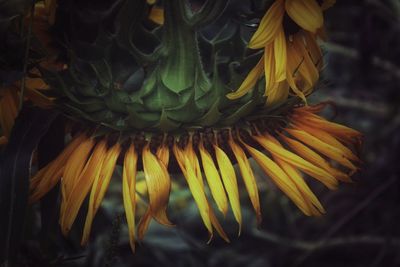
361	227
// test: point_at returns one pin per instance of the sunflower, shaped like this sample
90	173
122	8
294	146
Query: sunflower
292	58
148	98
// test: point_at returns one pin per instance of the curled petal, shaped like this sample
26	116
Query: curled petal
158	184
269	26
306	13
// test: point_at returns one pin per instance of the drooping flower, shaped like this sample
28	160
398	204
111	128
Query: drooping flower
292	58
167	114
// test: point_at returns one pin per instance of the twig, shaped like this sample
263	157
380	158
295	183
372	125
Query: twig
334	242
354	54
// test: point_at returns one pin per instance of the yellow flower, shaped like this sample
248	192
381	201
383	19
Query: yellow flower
292	57
308	145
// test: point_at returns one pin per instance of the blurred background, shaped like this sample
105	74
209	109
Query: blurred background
361	227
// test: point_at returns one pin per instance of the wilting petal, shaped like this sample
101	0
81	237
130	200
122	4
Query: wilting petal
314	158
195	187
306	13
158	184
322	147
269	26
279	177
129	191
327	4
248	176
163	154
268	142
269	68
143	225
279	95
73	170
249	82
336	129
293	64
213	180
307	69
157	15
229	178
90	173
54	170
329	139
280	56
302	186
99	188
314	49
8	109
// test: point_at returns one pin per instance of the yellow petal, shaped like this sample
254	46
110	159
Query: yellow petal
269	26
268	142
247	176
314	49
280	56
143	225
269	68
249	82
73	170
157	15
294	63
158	184
336	129
279	95
329	139
314	158
89	174
163	154
99	188
327	4
308	195
213	180
322	147
279	177
306	13
54	170
229	178
194	186
129	191
307	69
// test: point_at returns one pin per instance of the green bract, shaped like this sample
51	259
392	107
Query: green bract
177	78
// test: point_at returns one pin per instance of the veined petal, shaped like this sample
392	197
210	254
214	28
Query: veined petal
314	158
329	139
163	154
54	170
143	225
314	49
99	188
322	147
213	180
293	65
280	56
248	177
308	70
336	129
308	195
268	142
229	178
129	191
279	95
249	82
158	184
279	177
73	170
195	187
306	13
269	69
89	174
269	26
